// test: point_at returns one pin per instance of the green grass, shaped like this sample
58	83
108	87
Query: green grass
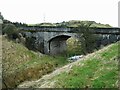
21	64
100	71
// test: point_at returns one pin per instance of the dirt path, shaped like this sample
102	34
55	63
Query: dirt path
42	82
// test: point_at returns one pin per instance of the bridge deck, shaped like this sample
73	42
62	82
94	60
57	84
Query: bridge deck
113	30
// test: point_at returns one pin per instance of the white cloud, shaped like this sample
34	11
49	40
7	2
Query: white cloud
32	11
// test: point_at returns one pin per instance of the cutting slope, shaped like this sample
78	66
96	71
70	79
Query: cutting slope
20	64
96	70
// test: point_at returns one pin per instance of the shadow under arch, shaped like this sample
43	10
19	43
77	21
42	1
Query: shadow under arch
57	44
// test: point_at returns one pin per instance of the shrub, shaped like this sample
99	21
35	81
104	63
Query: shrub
11	31
87	38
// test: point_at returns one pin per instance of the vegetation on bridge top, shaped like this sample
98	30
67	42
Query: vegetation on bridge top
72	23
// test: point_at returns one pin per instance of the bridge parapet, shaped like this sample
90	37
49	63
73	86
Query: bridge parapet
107	31
46	29
112	30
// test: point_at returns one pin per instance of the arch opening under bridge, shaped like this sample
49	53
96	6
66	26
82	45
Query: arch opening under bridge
57	45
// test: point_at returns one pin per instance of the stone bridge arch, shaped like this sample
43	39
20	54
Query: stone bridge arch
56	43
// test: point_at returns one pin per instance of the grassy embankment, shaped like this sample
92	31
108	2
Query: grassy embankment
97	70
21	64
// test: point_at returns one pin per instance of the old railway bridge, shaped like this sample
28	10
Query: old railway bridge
52	40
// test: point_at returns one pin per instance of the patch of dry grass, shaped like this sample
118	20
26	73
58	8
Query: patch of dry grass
20	64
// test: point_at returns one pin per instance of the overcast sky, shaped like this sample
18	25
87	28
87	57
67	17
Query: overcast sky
34	11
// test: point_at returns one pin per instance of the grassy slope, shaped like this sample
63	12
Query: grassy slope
20	64
97	70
